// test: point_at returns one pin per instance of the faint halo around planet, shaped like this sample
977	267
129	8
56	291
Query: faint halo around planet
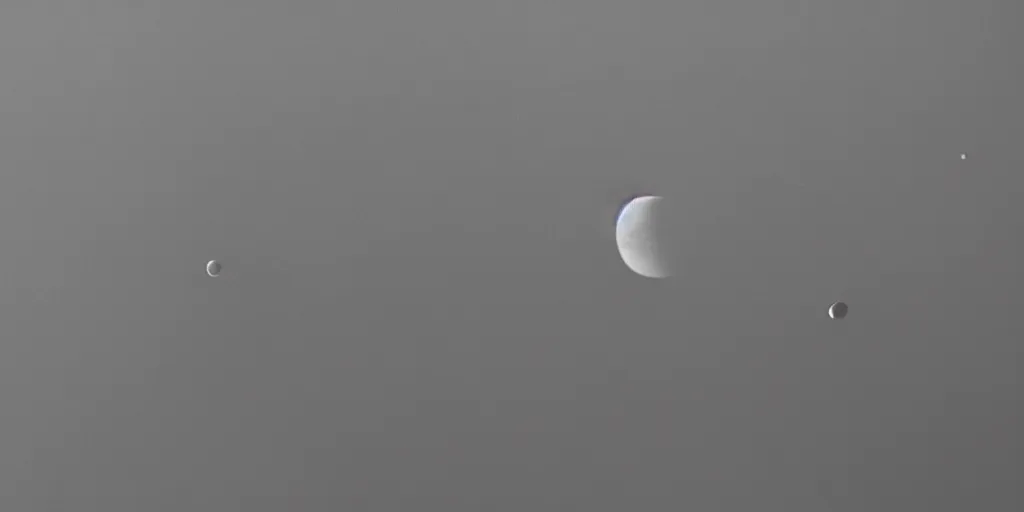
637	239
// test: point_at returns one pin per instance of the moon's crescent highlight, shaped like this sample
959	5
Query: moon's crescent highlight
637	240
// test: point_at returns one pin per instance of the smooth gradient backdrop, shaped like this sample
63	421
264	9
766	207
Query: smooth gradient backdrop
421	306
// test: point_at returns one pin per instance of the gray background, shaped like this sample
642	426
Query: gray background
421	306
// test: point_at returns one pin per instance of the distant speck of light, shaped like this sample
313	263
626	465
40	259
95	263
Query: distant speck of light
963	156
213	268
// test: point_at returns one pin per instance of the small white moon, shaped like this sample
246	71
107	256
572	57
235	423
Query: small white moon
637	240
838	310
213	268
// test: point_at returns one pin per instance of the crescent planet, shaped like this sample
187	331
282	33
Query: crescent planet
838	310
213	268
637	239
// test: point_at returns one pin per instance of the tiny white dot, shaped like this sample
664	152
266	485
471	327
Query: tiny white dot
963	156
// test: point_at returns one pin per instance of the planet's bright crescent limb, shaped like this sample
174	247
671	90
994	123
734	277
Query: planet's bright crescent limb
637	240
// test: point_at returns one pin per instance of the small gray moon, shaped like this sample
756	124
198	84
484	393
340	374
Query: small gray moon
838	310
637	240
213	268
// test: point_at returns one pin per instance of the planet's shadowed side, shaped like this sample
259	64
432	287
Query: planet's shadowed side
838	310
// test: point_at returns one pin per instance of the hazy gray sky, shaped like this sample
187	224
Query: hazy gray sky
421	306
